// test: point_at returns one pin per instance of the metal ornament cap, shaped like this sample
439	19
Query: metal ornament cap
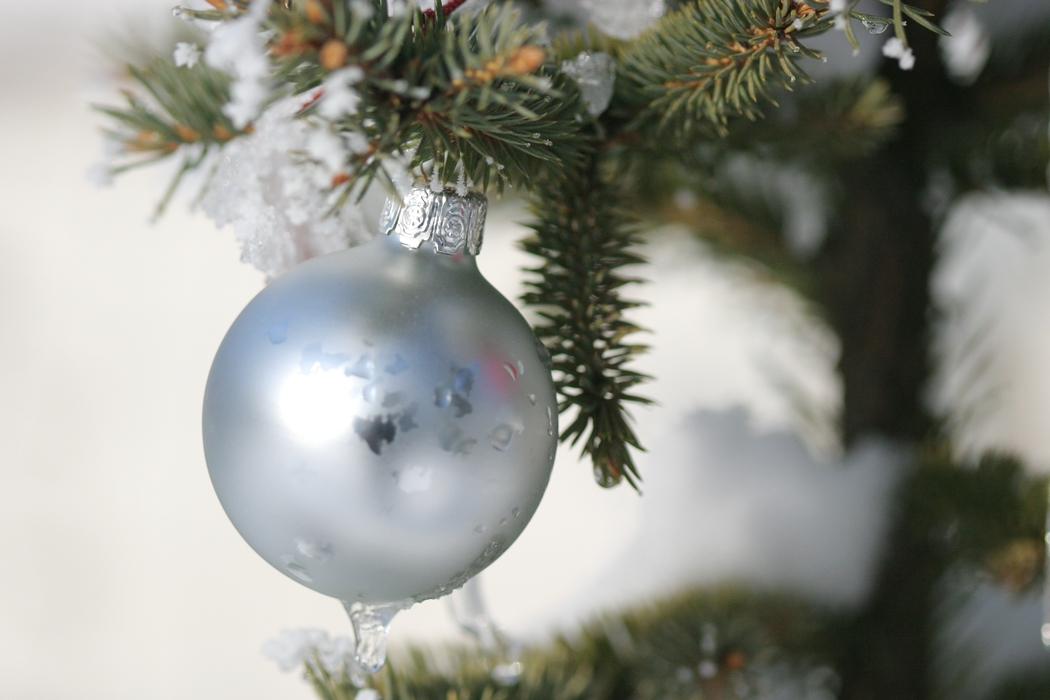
451	221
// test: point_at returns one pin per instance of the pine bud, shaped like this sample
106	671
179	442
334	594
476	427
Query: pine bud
525	60
186	133
332	54
314	12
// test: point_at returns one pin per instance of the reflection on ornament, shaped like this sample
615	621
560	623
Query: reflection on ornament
380	423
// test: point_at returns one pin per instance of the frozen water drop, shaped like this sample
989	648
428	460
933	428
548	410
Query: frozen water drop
515	511
502	434
299	571
532	399
480	529
364	368
398	366
550	421
321	551
371	625
875	26
511	371
521	368
503	521
595	73
278	332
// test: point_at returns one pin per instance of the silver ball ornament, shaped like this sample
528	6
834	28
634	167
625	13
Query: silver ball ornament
380	423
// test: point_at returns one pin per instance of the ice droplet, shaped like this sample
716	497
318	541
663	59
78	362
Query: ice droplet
371	625
364	368
299	571
511	371
532	399
550	422
874	26
521	368
515	511
503	521
595	73
502	434
321	551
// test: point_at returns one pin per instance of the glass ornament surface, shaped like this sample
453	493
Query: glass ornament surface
380	423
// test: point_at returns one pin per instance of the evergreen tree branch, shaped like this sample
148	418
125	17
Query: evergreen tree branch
713	60
584	241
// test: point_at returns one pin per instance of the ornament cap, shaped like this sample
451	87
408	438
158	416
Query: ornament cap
452	222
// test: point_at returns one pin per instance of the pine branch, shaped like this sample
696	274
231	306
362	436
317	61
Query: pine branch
713	60
584	242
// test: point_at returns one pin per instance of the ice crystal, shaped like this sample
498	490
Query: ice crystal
273	188
966	51
624	19
894	48
294	647
238	48
595	73
339	98
186	54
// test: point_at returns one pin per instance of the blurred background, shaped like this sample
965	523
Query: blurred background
122	578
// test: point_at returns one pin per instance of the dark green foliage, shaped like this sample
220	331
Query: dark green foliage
711	61
584	239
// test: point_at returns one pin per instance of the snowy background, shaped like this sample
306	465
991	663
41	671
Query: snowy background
121	577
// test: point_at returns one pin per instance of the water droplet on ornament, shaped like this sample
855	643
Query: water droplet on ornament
532	399
515	511
521	368
314	354
507	674
874	26
442	398
278	332
364	368
503	521
371	626
502	434
479	529
398	366
550	422
369	393
321	551
510	370
299	571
